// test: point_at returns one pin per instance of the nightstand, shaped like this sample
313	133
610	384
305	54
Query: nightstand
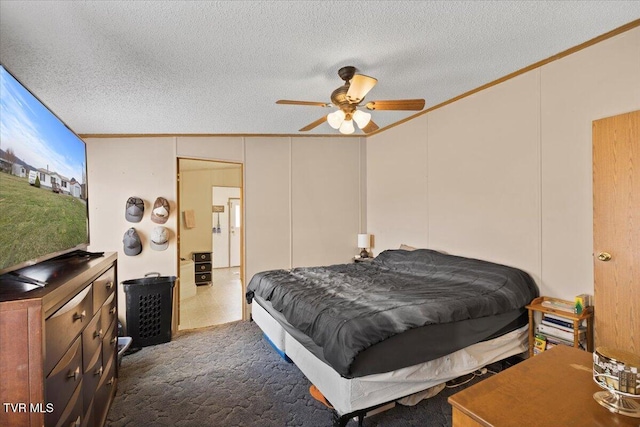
358	259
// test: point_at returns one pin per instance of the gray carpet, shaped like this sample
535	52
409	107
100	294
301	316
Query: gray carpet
227	376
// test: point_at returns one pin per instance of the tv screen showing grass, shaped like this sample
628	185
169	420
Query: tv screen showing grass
43	192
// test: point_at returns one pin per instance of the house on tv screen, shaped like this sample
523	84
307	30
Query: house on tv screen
56	182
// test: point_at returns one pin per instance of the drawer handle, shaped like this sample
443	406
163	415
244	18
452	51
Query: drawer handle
74	374
203	256
98	371
112	310
97	334
79	316
76	423
110	381
114	340
109	285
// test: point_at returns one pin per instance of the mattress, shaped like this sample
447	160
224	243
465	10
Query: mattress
403	308
352	394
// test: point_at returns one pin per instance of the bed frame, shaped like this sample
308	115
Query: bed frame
355	397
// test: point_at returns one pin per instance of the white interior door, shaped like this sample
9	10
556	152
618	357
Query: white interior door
235	224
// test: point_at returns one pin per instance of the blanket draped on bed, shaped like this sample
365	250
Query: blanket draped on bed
347	308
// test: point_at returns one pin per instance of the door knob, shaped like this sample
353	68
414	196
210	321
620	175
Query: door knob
604	256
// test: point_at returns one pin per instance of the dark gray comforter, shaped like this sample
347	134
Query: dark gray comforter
347	308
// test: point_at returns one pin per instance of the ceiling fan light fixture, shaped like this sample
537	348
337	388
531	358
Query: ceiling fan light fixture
361	118
336	119
347	127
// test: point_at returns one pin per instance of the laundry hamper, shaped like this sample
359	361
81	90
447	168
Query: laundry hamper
149	308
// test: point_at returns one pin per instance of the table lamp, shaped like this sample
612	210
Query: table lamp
364	242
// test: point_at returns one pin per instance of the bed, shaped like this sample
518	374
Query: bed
368	333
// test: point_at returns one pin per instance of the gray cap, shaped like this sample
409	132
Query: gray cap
159	238
134	210
131	242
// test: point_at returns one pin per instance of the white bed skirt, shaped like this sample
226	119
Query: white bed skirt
349	395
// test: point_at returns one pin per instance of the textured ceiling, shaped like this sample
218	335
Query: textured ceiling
155	67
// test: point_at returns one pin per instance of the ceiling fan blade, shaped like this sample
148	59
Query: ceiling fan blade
398	104
371	127
310	103
314	124
359	86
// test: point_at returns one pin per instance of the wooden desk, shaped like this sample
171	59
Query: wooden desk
554	388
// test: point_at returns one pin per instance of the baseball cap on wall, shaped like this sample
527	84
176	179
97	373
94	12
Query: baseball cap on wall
161	210
159	238
134	210
131	242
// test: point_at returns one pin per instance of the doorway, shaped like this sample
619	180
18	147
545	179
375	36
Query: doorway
217	299
227	226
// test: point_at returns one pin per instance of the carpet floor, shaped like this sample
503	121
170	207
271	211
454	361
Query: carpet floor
227	376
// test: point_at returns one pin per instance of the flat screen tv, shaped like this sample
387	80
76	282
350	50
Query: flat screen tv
43	181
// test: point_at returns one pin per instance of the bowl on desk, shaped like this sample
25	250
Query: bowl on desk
616	371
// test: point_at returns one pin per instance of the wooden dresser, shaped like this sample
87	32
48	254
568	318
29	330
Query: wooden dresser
58	344
554	388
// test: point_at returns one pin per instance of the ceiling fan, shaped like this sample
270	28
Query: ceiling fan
348	97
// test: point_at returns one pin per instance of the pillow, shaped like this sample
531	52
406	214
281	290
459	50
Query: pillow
407	247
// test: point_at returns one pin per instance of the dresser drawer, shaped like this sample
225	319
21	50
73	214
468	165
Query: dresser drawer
104	392
110	343
65	377
202	267
103	286
109	313
91	379
63	326
88	417
201	256
203	278
91	340
71	416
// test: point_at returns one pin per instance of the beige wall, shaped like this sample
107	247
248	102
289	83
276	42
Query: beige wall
397	186
119	168
601	81
325	196
303	197
505	174
304	201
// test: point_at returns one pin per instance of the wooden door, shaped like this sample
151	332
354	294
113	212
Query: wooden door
616	231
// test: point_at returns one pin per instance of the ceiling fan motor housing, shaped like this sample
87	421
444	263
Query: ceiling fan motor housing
339	96
346	73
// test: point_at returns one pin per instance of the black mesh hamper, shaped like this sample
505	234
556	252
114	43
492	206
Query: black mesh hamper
149	307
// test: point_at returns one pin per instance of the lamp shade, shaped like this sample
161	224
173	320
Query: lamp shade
335	119
364	241
347	127
359	86
361	118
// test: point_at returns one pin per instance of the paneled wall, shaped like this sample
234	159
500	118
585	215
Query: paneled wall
303	197
505	174
119	168
483	169
303	201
